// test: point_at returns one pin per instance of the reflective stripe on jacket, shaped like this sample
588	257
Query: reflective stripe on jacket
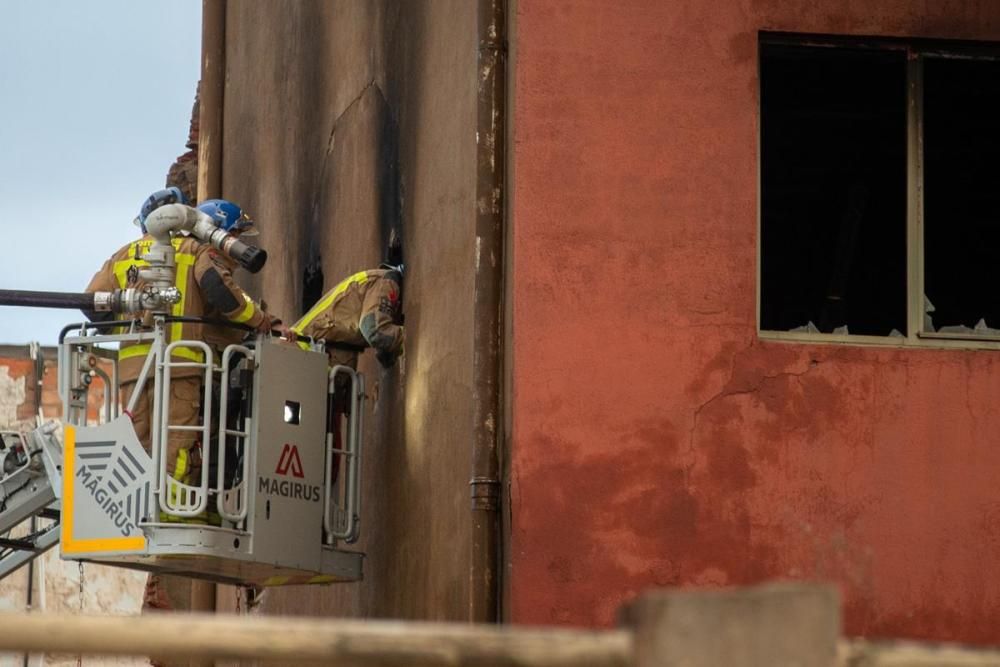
362	309
204	279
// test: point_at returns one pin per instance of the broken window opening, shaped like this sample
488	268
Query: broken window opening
961	142
833	190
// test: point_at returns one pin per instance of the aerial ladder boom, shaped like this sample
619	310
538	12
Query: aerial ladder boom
29	463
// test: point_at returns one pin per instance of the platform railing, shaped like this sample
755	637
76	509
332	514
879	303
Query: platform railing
237	497
341	522
72	391
177	498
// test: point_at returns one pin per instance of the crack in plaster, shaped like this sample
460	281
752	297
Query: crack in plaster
372	83
350	105
726	392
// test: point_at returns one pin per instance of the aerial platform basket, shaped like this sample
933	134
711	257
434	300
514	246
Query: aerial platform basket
277	499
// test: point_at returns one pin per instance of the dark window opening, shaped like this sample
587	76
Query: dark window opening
312	285
833	190
961	130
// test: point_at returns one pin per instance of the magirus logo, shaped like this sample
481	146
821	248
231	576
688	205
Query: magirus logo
106	501
117	484
289	461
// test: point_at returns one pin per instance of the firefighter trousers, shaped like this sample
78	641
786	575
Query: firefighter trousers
168	592
185	410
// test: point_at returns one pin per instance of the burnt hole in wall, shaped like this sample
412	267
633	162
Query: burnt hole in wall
394	248
390	190
833	189
961	105
312	284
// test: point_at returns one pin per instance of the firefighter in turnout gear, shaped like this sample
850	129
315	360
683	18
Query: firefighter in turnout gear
204	278
364	310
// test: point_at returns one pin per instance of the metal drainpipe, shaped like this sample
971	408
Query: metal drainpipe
488	328
211	91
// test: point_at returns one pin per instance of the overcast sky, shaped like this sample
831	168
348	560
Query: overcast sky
95	99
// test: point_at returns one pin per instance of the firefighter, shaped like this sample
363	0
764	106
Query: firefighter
204	278
363	310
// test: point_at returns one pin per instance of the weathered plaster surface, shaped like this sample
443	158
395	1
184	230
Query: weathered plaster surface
656	440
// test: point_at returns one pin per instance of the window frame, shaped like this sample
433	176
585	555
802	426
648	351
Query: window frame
916	50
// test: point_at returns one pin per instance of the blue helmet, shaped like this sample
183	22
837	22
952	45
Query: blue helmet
170	195
228	217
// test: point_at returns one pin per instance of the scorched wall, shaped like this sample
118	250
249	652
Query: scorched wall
344	121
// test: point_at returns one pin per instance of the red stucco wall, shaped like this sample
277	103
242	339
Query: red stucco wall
656	441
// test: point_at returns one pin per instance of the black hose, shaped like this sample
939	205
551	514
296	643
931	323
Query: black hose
74	300
112	324
210	321
347	347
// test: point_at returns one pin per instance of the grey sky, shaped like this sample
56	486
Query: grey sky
95	99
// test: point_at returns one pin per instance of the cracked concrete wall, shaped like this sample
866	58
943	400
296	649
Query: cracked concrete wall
345	120
656	440
57	586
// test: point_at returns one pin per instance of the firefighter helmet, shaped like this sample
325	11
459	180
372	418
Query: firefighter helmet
228	217
169	195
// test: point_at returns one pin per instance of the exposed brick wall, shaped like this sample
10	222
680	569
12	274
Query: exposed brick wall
184	171
18	388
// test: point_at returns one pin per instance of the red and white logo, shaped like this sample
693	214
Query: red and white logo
289	461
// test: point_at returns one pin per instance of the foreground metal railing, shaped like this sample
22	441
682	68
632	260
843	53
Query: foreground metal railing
316	641
766	626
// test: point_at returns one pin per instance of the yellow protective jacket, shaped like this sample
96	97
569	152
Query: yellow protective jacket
362	310
205	280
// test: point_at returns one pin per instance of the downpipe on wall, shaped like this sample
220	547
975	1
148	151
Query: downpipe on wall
488	310
211	92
